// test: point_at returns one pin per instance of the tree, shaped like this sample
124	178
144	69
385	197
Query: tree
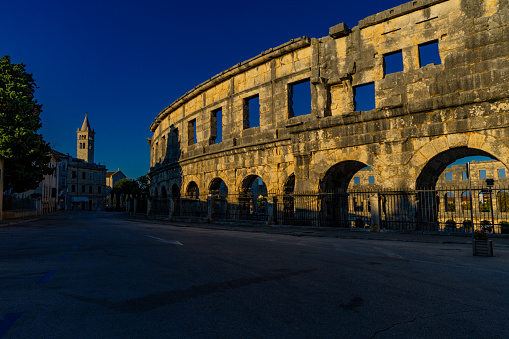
143	184
26	154
126	186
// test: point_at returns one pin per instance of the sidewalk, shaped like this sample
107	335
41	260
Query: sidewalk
302	231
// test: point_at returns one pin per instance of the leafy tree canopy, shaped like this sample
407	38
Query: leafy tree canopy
126	186
143	183
26	154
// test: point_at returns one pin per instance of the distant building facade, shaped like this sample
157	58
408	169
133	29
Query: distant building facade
113	177
82	183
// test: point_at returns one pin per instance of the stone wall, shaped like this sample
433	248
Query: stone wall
425	116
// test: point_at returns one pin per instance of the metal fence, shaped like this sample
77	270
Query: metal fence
443	209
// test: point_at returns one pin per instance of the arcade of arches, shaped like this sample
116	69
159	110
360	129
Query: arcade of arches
423	118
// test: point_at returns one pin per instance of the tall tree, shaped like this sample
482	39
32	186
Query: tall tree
25	152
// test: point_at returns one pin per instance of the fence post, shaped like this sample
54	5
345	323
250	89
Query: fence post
375	212
171	207
271	211
210	207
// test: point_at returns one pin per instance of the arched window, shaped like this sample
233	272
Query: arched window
450	203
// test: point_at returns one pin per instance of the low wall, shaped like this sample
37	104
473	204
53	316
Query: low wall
6	215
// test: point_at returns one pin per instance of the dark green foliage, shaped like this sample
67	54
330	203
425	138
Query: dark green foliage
127	187
25	152
143	184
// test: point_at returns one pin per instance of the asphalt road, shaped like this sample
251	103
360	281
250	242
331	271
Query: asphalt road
94	275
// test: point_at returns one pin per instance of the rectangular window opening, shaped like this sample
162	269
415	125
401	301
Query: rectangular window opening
501	172
217	126
482	174
448	176
429	54
371	180
191	129
393	62
364	96
252	112
464	175
299	98
356	180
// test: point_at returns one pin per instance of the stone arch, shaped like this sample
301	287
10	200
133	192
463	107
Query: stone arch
156	193
218	187
338	176
289	184
429	174
248	182
163	192
329	162
192	191
430	161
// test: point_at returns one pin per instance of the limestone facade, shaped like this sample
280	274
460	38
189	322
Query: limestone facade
425	116
82	183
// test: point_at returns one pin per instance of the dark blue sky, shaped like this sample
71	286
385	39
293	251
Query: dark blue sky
125	61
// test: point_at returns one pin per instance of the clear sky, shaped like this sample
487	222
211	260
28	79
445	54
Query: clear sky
125	61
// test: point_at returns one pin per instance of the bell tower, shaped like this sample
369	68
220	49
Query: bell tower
85	147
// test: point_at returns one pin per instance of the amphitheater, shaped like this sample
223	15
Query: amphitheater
406	93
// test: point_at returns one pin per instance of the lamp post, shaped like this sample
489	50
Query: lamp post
490	183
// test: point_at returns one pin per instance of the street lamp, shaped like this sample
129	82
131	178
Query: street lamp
490	183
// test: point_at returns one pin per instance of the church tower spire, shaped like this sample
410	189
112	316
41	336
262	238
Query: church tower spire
85	146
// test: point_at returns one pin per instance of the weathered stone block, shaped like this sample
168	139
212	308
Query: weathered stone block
338	31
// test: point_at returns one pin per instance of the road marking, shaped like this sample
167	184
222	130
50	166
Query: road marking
47	277
173	242
7	321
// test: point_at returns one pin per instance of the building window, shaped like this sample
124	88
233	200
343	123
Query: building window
73	188
216	122
83	175
98	189
364	97
83	188
429	54
482	174
74	174
371	180
191	130
90	190
448	176
464	175
501	172
251	112
356	180
393	62
450	203
299	98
